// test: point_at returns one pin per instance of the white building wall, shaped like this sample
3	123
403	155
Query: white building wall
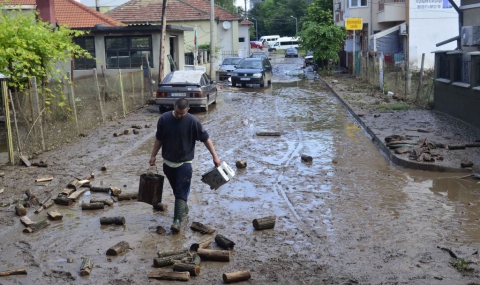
430	22
225	36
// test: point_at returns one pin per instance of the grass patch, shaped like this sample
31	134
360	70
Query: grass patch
461	265
394	107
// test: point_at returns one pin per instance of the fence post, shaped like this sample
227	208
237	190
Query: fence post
380	67
11	157
71	96
19	148
420	81
133	90
100	101
121	93
36	109
142	86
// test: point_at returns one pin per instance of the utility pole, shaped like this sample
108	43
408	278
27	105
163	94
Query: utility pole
212	39
161	63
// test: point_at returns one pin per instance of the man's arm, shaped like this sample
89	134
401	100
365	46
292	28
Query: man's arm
156	147
208	143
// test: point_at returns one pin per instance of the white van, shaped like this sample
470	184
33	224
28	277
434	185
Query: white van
284	43
270	40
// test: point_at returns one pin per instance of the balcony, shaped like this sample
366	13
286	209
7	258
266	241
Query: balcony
391	11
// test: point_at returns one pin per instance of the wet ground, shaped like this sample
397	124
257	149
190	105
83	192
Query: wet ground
348	217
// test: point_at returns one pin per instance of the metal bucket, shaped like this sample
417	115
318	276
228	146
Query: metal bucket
150	189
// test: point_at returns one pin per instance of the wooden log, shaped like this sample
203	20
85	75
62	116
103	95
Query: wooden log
237	276
21	271
25	160
161	230
203	244
214	254
466	164
197	226
241	164
2	174
458	146
116	191
90	176
29	194
169	275
472	144
127	132
136	132
20	209
74	196
120	247
40	164
36	226
275	134
86	267
44	179
195	259
66	192
48	204
100	189
169	260
104	167
54	215
127	196
224	242
107	202
264	223
137	127
306	158
93	206
112	220
74	184
193	269
172	252
148	125
45	200
160	207
118	134
64	201
26	221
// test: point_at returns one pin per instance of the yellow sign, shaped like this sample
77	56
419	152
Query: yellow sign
354	24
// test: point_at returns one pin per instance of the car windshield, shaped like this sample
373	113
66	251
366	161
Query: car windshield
258	55
193	77
291	50
251	64
232	61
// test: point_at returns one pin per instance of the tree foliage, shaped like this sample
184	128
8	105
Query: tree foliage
31	47
228	5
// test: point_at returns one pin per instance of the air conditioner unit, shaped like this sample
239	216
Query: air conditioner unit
470	36
403	29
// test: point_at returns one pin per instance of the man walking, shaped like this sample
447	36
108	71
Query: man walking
177	132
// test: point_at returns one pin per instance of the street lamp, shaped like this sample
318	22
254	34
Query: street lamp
296	25
256	28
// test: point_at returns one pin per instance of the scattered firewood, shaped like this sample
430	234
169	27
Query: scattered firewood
116	191
306	158
33	202
127	132
93	206
137	127
136	132
47	205
224	242
77	194
472	144
193	269
76	184
214	254
25	161
148	125
70	260
458	146
26	221
100	189
66	192
20	209
117	135
466	164
112	220
172	252
276	134
197	226
120	247
90	176
160	207
2	174
36	226
241	164
107	202
86	267
45	200
54	215
169	260
103	168
169	275
161	230
264	223
29	194
236	276
195	259
64	201
127	196
13	272
40	164
203	244
44	179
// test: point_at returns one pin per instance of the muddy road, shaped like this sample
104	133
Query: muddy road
349	217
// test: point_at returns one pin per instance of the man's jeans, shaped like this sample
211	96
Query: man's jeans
180	179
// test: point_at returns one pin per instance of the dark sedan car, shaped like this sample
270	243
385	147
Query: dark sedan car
193	85
259	55
291	52
253	71
228	65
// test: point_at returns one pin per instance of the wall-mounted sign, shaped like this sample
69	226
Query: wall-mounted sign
354	24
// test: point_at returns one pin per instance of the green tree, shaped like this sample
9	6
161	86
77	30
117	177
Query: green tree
227	5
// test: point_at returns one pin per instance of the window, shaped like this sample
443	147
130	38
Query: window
88	44
128	51
241	40
357	3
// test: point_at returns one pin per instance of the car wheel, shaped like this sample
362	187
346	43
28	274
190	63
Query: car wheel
234	83
265	83
244	85
215	100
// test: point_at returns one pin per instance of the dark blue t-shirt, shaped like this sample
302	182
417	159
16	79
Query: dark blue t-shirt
178	136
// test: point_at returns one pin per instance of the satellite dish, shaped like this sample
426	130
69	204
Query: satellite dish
226	25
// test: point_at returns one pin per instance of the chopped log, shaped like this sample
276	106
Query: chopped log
264	223
93	206
241	164
306	158
33	202
90	176
2	174
236	276
48	204
74	184
40	164
104	167
466	164
70	260
224	242
86	267
100	189
193	269
25	161
161	230
127	196
457	146
77	194
160	207
29	194
214	254
169	275
26	221
203	244
169	260
172	252
44	201
64	201
117	135
472	144
44	179
137	127
107	202
275	134
13	272
36	226
197	226
147	125
20	209
112	220
136	132
127	132
120	247
116	191
54	215
66	192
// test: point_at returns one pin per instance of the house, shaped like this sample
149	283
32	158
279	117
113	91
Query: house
457	70
399	28
230	30
113	44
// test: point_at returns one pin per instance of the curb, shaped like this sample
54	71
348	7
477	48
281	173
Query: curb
385	150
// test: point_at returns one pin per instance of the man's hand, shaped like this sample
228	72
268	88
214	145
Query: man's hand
216	161
152	160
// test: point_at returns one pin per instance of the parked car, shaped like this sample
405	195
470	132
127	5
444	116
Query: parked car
253	71
228	65
259	55
291	52
256	44
193	85
308	60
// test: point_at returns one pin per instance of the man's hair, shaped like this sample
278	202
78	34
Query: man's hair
182	104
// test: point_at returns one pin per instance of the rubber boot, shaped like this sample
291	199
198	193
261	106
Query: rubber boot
178	215
186	209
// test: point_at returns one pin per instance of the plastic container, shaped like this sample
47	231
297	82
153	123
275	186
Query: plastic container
217	176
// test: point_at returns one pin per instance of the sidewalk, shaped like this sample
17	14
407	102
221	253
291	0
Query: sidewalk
427	135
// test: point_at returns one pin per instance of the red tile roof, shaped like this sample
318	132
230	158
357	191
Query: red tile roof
246	23
141	11
74	14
